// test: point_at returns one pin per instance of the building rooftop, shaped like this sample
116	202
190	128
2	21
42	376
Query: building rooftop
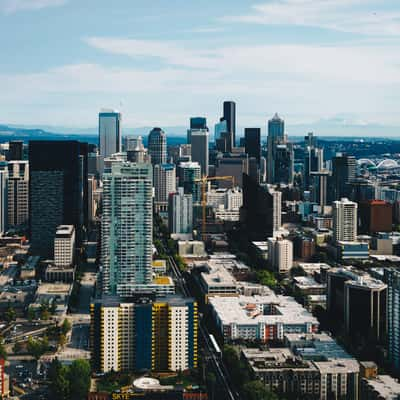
257	309
163	280
338	366
315	346
388	258
262	246
217	275
275	358
65	230
306	282
311	268
316	297
386	386
358	278
53	289
159	263
285	358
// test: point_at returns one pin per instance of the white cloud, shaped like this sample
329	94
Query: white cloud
209	29
363	64
357	16
302	82
171	52
12	6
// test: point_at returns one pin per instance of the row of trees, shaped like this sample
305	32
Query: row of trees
69	382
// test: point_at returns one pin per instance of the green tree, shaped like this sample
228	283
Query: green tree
44	311
3	352
62	340
79	379
53	308
238	371
45	314
65	327
255	390
59	383
10	314
31	315
266	278
37	347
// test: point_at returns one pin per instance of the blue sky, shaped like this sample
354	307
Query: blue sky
319	63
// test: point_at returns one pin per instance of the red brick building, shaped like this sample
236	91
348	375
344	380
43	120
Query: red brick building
375	216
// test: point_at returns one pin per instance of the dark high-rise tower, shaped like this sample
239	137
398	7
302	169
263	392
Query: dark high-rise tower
16	150
58	188
252	138
230	118
280	153
343	173
157	144
198	123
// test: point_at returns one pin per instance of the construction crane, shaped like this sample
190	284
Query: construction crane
203	181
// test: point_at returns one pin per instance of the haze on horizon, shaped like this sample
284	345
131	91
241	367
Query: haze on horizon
331	66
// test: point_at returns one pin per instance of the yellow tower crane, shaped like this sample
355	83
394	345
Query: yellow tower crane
203	181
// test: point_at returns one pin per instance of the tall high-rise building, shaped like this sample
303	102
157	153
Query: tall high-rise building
252	137
58	190
157	145
343	173
127	228
230	118
223	138
261	210
18	193
392	279
92	204
95	164
280	255
16	150
3	200
180	212
358	301
319	187
280	161
200	154
310	140
365	308
109	132
313	163
232	165
198	123
131	143
345	220
283	163
144	333
375	216
64	246
164	184
188	174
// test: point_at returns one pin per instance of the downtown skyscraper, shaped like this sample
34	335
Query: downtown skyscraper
58	190
280	153
127	228
109	132
230	118
157	145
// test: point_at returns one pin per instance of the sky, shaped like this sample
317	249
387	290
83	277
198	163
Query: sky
332	66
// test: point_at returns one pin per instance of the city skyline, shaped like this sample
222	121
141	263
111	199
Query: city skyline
308	60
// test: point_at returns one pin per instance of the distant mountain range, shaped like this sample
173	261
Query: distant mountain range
334	129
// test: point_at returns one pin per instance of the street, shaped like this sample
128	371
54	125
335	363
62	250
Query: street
78	345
